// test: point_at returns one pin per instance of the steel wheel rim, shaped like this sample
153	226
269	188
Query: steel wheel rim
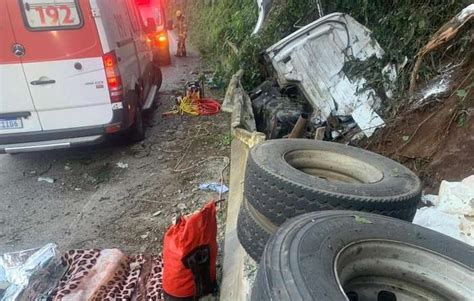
333	167
395	271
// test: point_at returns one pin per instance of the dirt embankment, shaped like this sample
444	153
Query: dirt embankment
437	140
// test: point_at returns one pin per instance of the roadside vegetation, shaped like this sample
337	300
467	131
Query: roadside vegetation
221	31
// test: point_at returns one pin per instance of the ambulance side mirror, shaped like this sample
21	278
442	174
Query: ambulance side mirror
150	25
170	25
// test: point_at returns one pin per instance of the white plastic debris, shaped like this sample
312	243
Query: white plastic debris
335	134
367	119
435	219
430	200
453	211
47	180
457	198
390	72
182	206
436	88
216	187
122	165
18	267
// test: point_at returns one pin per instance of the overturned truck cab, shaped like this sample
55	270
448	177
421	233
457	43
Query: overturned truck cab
313	60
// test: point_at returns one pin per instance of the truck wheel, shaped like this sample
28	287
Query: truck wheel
253	230
290	177
137	130
343	255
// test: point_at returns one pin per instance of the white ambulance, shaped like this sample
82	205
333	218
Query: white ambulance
73	71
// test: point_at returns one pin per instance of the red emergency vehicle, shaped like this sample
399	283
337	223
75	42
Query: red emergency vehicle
154	12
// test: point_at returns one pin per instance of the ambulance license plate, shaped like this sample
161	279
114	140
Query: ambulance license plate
11	123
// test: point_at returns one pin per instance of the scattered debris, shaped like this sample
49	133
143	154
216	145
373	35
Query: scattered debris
452	212
429	200
300	127
157	213
213	82
335	135
122	165
367	119
357	137
46	179
182	206
145	236
390	72
320	133
437	88
215	187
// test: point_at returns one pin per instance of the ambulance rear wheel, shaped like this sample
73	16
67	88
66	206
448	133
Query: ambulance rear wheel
137	130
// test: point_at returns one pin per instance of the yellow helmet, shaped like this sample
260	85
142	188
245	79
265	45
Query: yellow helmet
179	13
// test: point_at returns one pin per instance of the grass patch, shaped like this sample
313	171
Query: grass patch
225	140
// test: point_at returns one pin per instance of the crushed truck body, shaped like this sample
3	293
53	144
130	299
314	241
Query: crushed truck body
313	58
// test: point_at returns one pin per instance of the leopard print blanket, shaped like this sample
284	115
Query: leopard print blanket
109	275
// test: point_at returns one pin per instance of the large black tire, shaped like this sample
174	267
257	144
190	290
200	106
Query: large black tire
158	82
284	179
253	230
326	255
136	133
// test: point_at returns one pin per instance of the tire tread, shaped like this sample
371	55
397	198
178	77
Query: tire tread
280	199
252	236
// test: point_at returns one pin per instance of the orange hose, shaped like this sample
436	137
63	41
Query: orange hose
208	106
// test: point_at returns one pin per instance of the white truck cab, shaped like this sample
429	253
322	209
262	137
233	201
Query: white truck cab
72	71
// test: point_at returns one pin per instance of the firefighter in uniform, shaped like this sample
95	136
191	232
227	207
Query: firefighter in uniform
182	33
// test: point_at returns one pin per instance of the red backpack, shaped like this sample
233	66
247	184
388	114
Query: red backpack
189	255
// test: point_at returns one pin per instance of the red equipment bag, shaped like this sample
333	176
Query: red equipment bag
189	255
